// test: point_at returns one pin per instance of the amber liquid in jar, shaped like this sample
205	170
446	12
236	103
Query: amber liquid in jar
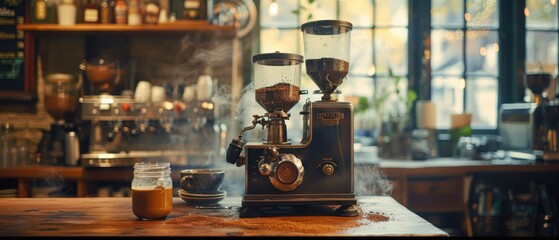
152	203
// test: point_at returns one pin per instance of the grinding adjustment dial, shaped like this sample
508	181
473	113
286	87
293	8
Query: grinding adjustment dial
328	169
287	173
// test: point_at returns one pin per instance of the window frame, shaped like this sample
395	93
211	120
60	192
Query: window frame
511	36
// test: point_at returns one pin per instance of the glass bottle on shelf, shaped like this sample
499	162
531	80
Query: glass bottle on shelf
194	10
91	12
106	11
43	11
134	12
121	12
79	10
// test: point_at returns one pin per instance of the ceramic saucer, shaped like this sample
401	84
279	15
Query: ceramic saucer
219	193
201	199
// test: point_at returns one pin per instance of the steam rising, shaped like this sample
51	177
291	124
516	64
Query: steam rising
51	186
370	180
195	54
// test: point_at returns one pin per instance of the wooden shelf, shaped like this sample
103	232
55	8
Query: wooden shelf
179	27
31	172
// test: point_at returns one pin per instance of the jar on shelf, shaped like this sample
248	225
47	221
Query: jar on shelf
151	14
67	13
152	190
134	12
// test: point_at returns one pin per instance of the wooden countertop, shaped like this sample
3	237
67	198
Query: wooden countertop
114	217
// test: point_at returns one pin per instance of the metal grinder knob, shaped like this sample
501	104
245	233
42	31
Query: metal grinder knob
287	173
328	169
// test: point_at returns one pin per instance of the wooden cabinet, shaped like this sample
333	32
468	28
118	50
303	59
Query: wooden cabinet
439	189
436	193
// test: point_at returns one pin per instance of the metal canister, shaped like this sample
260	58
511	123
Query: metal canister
72	148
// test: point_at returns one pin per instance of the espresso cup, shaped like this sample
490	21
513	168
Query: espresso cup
201	180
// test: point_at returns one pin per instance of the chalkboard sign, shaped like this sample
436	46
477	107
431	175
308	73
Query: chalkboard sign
12	51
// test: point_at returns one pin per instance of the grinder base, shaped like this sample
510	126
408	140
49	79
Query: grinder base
258	205
304	210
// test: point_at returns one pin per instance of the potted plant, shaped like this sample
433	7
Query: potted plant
392	110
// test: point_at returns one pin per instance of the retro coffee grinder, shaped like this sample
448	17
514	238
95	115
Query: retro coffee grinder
61	144
318	171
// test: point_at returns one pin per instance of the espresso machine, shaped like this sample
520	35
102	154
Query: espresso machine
122	131
153	124
529	130
318	170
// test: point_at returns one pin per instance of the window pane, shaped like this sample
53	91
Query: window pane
448	95
447	13
361	51
279	40
391	96
357	87
481	95
284	16
541	51
358	12
446	52
391	50
317	10
482	49
541	14
482	13
391	13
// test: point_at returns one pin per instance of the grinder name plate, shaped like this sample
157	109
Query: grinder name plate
330	118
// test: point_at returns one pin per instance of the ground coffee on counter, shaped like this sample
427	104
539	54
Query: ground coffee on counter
303	224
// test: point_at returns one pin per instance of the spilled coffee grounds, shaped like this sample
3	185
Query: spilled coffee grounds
376	217
300	224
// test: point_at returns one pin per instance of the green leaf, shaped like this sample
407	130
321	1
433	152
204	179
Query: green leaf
362	105
296	11
310	1
309	17
412	96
